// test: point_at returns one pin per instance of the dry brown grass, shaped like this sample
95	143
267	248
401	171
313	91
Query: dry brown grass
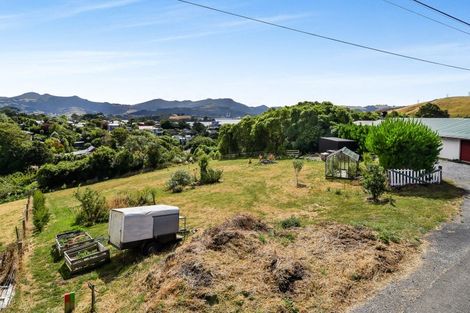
10	216
249	267
457	106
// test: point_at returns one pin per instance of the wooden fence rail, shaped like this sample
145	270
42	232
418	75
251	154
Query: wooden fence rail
403	177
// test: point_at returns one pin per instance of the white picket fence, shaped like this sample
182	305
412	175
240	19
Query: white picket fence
403	177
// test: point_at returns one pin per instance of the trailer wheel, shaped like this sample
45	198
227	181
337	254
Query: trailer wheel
150	248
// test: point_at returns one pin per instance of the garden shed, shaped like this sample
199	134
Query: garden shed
343	163
334	143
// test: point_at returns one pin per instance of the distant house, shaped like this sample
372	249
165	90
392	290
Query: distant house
179	118
113	125
181	139
86	151
454	133
156	130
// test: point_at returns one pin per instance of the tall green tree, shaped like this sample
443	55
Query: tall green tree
404	144
14	148
431	110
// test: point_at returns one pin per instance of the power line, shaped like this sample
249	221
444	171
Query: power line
441	12
426	17
324	37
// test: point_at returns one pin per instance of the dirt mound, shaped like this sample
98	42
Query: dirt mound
286	273
243	265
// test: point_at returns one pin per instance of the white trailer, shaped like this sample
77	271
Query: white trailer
144	227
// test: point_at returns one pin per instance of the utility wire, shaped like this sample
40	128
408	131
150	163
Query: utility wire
426	17
441	12
324	37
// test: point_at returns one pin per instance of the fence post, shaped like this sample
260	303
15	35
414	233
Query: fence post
93	299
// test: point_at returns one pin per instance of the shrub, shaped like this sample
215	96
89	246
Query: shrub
147	196
208	175
401	143
178	181
40	211
64	173
290	222
298	164
374	181
92	207
101	162
16	186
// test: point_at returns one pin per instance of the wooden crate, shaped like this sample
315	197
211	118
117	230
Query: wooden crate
71	239
86	256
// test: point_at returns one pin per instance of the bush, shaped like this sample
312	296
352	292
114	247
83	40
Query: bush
374	181
404	144
147	196
101	162
64	173
40	211
208	175
16	186
290	222
93	207
178	181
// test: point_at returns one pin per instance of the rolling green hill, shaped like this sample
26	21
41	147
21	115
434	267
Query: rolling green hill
456	106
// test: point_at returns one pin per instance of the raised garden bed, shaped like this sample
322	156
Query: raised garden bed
86	256
71	239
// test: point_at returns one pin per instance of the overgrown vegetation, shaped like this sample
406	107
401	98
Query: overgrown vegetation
404	144
208	175
179	180
16	186
40	211
146	196
290	222
92	208
295	127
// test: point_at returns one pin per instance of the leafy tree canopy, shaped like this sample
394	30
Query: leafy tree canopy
404	144
431	110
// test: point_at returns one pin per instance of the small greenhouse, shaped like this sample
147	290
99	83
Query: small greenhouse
343	163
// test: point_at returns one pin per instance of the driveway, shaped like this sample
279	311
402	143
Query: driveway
442	282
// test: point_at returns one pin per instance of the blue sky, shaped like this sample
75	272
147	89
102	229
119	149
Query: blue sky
129	51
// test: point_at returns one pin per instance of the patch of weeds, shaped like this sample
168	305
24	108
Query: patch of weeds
387	236
287	238
290	222
290	306
356	277
323	271
211	299
262	238
328	189
338	192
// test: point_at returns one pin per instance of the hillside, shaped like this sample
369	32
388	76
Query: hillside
240	264
457	106
32	102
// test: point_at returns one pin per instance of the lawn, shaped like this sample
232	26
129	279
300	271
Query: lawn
266	191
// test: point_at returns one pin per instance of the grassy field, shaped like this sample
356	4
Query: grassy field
457	106
10	216
266	191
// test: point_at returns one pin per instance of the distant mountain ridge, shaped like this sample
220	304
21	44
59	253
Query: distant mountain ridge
32	102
